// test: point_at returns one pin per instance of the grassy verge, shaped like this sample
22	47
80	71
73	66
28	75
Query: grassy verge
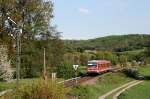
144	71
103	85
5	85
11	85
140	91
37	89
111	96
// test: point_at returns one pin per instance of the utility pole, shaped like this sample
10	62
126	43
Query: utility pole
18	50
44	60
76	74
44	66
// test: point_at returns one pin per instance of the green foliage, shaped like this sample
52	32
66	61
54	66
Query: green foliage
147	56
34	17
133	55
82	70
32	57
123	60
38	90
81	92
84	57
131	73
55	52
5	86
107	55
113	43
77	58
120	50
65	70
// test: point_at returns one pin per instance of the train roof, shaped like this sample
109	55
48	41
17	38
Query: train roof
100	61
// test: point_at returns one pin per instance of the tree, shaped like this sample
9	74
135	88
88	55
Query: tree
147	55
34	17
65	70
147	52
123	60
84	59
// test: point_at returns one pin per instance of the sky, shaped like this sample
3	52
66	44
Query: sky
86	19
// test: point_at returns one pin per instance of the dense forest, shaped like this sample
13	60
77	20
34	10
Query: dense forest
112	43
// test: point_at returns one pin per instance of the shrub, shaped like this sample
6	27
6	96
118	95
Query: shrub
131	72
38	90
80	92
65	70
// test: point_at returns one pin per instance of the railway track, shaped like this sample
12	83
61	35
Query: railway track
78	81
82	79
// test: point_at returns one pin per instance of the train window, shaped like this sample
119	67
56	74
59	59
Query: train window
92	64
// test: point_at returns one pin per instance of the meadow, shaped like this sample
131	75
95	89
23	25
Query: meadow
140	91
12	85
144	70
104	84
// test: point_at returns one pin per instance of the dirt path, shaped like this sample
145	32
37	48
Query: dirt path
121	91
117	89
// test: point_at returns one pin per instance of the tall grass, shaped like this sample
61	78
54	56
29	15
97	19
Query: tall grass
38	90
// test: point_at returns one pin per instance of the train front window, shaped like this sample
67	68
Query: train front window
92	64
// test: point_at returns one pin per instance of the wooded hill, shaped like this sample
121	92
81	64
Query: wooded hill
114	43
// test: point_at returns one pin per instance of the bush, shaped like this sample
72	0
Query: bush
80	92
131	73
38	90
65	70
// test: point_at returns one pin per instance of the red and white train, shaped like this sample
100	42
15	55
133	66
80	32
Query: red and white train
98	66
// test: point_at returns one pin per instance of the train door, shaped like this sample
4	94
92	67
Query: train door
98	67
101	67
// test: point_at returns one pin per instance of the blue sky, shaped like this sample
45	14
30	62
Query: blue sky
85	19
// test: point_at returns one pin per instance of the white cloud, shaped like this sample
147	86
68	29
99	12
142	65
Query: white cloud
84	11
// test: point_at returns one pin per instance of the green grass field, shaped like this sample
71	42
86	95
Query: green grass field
134	52
141	91
5	85
103	85
144	71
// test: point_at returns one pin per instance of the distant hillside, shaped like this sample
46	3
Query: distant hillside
115	43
